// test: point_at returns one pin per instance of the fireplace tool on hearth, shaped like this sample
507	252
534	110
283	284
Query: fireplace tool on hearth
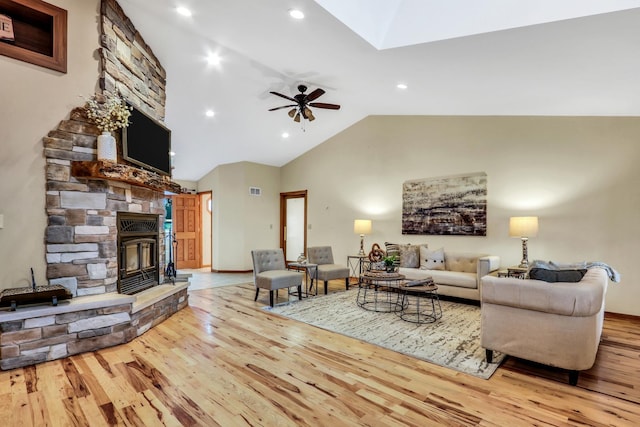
171	268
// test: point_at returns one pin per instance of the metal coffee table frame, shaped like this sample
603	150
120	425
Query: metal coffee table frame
381	293
425	307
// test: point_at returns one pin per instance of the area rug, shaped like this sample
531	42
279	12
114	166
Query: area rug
453	341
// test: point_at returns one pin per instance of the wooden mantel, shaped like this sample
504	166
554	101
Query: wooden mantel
124	173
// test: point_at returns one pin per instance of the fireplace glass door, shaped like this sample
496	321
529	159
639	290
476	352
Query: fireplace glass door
138	267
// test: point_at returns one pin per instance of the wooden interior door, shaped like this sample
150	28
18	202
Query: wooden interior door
186	226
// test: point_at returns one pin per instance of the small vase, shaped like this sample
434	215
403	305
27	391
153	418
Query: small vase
107	147
302	259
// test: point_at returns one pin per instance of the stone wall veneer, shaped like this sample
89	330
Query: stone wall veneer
128	63
81	231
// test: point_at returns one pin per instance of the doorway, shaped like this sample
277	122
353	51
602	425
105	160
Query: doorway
293	224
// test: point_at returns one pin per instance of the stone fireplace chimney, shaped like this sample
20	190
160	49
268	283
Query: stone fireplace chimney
83	196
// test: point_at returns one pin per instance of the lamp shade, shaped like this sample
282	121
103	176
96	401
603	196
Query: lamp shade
362	226
523	226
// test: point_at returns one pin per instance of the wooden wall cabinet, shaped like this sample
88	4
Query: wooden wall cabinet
40	31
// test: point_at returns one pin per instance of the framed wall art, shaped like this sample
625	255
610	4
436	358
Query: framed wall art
448	205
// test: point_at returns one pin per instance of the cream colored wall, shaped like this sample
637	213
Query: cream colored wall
34	100
580	175
242	222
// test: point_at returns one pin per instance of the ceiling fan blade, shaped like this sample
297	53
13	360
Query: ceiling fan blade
284	106
315	94
283	96
323	105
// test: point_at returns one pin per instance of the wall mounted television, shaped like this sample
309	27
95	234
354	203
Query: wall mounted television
146	142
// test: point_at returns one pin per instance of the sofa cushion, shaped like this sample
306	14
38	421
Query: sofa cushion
552	276
449	278
432	259
462	261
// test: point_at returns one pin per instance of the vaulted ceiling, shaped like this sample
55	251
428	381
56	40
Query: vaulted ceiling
456	57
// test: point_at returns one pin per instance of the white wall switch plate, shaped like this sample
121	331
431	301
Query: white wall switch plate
1	220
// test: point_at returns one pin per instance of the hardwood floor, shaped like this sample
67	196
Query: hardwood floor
224	361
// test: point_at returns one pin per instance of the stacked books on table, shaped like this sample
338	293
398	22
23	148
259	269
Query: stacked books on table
420	282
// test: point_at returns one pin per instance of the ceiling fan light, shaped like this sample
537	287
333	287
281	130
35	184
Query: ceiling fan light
309	114
297	118
292	112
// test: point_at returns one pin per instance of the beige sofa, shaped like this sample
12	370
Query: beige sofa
557	324
461	276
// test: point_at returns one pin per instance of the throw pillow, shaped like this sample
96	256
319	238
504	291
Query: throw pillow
553	276
393	249
410	256
432	259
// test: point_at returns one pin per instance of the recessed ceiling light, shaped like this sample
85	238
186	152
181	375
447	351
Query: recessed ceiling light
296	14
213	59
401	86
183	11
210	113
285	135
172	153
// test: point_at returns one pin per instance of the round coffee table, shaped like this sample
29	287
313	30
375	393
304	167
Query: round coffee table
420	304
380	291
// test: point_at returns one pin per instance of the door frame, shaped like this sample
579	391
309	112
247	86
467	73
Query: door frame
283	217
203	197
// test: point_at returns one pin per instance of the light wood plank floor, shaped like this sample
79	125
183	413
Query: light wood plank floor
224	361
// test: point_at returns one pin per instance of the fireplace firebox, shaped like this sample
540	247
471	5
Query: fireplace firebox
138	238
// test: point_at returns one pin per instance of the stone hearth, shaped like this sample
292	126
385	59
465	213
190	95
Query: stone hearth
40	333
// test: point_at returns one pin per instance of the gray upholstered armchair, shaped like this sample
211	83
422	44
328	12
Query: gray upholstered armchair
270	272
327	269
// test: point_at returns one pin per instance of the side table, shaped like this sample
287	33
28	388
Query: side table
358	264
421	303
380	291
310	272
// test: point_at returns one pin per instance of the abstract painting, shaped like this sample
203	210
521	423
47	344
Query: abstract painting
448	205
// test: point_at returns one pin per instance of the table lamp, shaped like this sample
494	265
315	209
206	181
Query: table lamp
523	227
362	227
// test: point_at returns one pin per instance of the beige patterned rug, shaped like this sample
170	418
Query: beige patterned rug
453	341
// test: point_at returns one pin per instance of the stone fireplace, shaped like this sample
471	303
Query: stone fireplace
104	233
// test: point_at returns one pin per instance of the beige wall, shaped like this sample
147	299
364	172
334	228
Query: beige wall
242	222
34	100
579	175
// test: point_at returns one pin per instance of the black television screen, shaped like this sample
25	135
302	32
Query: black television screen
147	143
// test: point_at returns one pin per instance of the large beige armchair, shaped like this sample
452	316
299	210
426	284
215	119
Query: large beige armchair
327	269
557	324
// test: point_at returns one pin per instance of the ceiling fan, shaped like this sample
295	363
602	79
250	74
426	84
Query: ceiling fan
303	102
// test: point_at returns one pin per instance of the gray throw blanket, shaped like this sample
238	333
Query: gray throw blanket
550	265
